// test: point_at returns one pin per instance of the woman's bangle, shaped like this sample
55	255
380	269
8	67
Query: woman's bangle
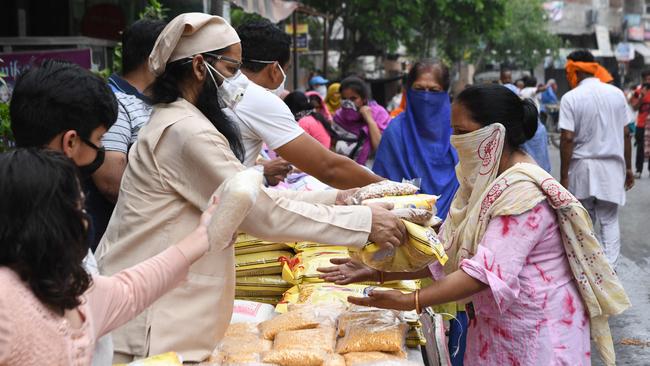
417	302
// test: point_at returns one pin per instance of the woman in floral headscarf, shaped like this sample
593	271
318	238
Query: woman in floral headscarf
521	248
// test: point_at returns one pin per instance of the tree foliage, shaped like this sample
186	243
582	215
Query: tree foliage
371	27
454	30
523	40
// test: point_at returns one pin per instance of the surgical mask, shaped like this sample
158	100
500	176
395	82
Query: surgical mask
280	88
278	91
321	90
88	169
232	89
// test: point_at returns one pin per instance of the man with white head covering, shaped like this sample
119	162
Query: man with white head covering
187	150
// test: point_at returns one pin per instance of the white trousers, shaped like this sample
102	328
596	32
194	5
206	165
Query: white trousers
604	215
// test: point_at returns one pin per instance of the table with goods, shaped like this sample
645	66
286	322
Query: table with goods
284	314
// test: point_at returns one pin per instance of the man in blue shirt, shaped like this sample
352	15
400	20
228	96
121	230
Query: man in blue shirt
133	113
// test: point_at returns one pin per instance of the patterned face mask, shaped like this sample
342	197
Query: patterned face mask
348	104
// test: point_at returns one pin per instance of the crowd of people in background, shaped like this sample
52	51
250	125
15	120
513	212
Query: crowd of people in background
126	172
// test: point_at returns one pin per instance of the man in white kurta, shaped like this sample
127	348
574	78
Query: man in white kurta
596	114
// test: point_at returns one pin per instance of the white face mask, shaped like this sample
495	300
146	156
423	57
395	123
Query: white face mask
321	90
278	91
232	89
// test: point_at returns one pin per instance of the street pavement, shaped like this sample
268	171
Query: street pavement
630	330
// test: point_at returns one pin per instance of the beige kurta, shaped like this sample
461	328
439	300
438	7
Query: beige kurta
176	165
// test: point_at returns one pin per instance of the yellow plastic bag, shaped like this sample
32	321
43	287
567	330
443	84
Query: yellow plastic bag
421	248
263	263
165	359
327	293
303	266
270	285
421	201
415	337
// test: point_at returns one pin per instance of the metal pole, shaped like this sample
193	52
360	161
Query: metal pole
294	21
216	7
325	47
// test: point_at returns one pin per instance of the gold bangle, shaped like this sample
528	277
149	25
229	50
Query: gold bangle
381	277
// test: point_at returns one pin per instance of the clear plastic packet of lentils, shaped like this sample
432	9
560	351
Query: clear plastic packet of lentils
382	189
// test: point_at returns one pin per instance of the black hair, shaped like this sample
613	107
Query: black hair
263	41
645	73
56	97
138	41
167	89
530	81
43	226
426	65
493	103
355	83
297	101
581	56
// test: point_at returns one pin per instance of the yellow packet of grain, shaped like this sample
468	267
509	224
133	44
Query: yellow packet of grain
421	248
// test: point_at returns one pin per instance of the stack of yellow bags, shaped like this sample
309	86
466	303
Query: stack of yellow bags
258	266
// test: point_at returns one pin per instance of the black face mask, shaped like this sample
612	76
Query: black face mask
89	169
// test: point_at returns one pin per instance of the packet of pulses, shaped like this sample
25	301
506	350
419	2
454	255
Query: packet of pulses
301	317
368	330
381	189
421	248
303	347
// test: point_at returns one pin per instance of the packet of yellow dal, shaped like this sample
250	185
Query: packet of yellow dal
421	248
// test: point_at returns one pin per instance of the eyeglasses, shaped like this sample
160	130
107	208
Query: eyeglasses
89	143
236	63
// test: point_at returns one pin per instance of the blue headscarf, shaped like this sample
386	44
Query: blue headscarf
417	145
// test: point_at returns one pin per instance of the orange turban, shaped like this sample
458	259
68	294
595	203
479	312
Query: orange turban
402	106
594	68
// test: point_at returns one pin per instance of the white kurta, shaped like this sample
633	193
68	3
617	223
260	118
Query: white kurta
596	112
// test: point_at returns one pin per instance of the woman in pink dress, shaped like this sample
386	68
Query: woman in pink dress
312	121
51	310
521	249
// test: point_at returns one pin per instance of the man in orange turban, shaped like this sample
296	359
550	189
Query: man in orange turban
595	147
589	68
